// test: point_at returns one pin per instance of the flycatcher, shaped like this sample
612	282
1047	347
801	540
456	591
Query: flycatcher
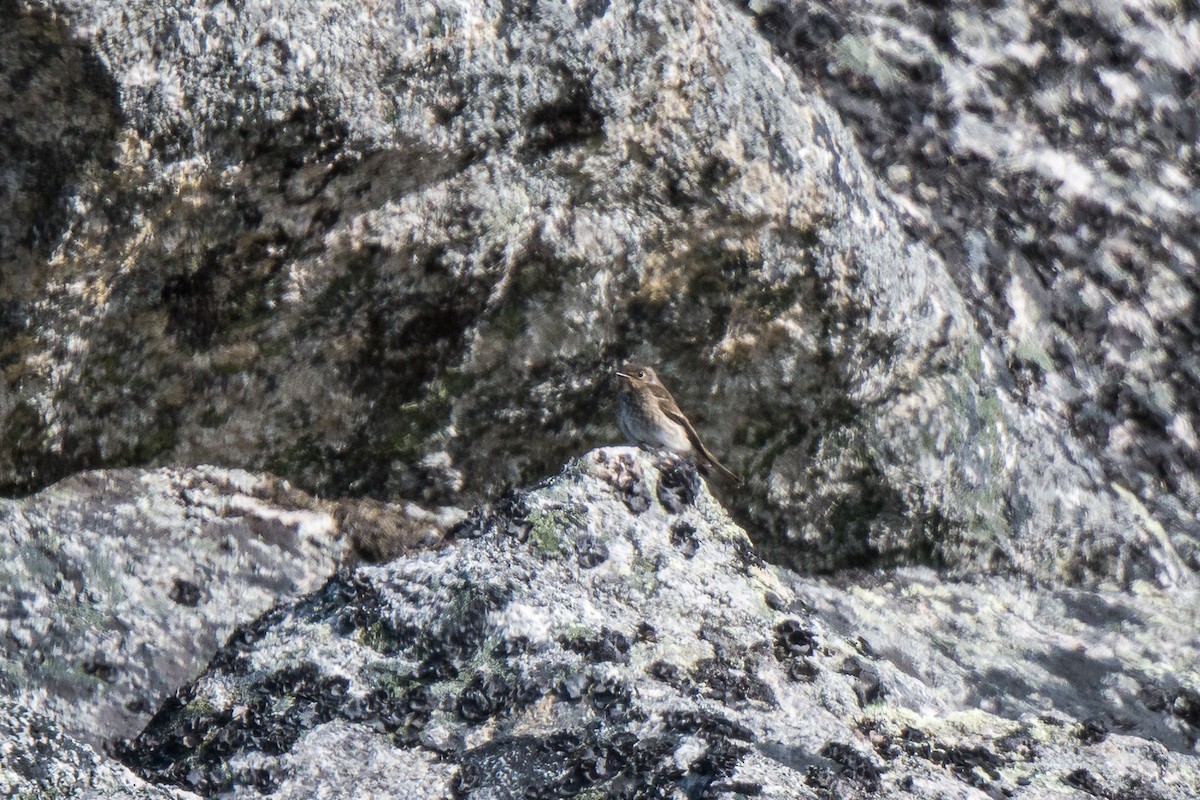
649	417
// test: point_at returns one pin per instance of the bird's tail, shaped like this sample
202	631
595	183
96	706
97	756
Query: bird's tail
709	462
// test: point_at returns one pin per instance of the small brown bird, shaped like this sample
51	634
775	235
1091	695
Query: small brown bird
649	417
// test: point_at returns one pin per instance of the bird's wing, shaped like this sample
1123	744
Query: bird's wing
671	409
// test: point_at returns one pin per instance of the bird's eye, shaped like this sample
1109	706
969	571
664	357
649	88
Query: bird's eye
641	374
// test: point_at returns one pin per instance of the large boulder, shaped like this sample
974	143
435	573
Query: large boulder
395	249
612	633
117	587
1049	153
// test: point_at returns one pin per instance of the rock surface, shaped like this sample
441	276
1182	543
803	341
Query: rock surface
927	276
393	249
612	633
1050	152
38	760
117	587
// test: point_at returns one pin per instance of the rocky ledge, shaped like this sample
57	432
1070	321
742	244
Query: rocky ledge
612	633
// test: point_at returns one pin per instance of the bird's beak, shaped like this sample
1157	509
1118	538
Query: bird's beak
623	375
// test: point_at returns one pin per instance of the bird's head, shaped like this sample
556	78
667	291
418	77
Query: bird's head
636	374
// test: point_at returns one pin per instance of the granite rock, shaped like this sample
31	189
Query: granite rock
394	249
117	587
612	633
1049	153
38	760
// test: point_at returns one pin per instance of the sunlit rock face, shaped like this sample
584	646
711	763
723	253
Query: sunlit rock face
612	633
1049	154
41	760
117	587
394	250
926	277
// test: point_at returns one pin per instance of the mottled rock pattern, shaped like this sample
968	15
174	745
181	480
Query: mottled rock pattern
117	587
392	249
1050	152
38	760
588	639
377	532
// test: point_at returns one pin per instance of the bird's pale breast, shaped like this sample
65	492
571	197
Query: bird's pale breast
643	423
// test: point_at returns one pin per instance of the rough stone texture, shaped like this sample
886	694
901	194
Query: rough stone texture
38	760
117	587
393	249
612	633
378	532
1050	153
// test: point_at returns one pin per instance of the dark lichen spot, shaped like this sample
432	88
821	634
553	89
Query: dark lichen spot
718	762
854	765
470	776
485	696
646	632
678	485
792	640
590	552
139	706
585	762
719	681
188	743
973	765
626	478
746	555
516	646
402	713
605	693
570	119
98	667
437	666
262	779
708	723
1084	781
802	670
606	646
822	779
1186	706
186	593
508	516
608	695
668	673
589	10
1092	731
459	632
683	536
867	685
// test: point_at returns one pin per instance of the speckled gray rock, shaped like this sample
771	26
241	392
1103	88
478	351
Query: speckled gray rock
1050	153
117	587
38	761
393	249
612	633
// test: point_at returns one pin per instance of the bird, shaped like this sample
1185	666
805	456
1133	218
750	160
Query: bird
649	417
